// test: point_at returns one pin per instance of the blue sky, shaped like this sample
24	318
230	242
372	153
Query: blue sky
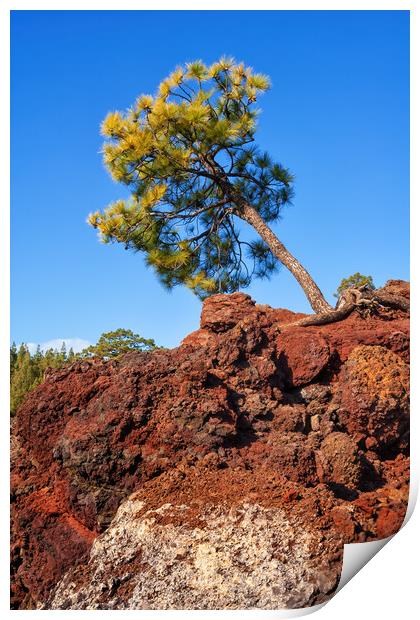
337	115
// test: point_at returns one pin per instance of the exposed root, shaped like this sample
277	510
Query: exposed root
364	300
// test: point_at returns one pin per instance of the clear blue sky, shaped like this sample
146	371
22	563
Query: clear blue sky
337	116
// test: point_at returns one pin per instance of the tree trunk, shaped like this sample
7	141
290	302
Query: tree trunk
312	292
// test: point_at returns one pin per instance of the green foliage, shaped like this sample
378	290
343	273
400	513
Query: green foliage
355	281
13	358
27	371
187	155
118	342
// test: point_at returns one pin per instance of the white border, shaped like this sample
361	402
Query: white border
366	596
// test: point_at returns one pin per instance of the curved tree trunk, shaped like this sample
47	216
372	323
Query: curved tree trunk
311	290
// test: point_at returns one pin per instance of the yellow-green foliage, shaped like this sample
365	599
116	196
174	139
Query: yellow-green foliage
194	108
186	154
117	343
27	371
149	139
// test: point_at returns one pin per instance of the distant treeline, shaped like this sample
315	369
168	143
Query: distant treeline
27	370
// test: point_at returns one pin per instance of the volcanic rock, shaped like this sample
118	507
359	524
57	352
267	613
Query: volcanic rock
339	462
302	355
237	464
373	398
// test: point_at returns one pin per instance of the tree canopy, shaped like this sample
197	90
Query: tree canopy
27	370
188	156
118	342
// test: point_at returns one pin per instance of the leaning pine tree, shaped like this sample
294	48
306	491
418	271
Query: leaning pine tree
188	156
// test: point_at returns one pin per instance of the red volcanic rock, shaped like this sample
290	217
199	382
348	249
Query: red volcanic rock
388	521
310	421
397	287
293	455
338	461
222	312
344	522
302	354
373	397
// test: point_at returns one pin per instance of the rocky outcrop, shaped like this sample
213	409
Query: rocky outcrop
373	396
226	473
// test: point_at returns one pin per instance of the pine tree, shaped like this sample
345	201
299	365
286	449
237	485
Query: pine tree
354	281
13	358
52	359
188	156
118	342
25	377
63	352
27	371
37	357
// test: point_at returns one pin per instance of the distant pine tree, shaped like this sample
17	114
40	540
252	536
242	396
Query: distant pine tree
63	352
26	375
13	358
118	342
27	371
